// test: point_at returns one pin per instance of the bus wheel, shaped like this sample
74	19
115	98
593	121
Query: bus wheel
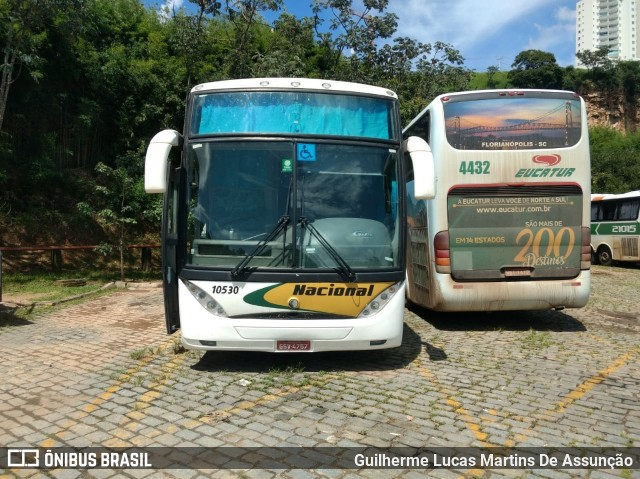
604	256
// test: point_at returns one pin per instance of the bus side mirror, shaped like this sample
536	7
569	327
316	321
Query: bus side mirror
424	172
155	163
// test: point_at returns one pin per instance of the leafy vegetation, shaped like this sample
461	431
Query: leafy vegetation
615	161
535	69
85	84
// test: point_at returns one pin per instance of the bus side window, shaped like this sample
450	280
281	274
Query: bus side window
628	210
608	211
420	129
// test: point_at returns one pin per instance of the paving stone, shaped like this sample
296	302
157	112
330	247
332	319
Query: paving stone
71	380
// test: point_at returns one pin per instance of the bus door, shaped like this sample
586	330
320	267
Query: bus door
170	248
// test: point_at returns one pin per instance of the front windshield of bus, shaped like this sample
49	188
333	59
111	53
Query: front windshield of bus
542	120
244	192
294	113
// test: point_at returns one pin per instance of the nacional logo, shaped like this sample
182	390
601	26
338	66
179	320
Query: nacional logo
549	160
344	299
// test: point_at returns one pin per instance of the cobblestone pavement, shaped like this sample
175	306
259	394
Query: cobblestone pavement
104	373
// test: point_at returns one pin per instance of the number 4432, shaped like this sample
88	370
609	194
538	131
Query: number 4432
474	168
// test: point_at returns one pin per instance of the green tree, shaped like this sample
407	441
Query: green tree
600	71
574	79
37	34
23	30
615	160
592	59
535	69
442	69
351	44
187	40
188	34
130	73
439	68
120	204
19	43
492	71
245	16
492	78
290	49
396	70
356	48
629	78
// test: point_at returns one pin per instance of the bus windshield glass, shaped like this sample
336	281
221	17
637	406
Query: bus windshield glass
294	197
293	113
513	123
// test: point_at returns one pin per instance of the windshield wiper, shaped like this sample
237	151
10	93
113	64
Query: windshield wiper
242	265
343	266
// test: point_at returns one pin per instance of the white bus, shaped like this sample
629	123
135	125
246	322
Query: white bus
284	217
509	226
615	227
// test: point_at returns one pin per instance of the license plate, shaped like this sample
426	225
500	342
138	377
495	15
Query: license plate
293	346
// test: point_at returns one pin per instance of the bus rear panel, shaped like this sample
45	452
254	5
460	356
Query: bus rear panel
508	229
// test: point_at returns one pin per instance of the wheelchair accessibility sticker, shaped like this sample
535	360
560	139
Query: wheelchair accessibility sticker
306	152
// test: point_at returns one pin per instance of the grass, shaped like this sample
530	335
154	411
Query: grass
43	288
144	353
24	314
537	340
40	276
39	286
281	377
42	284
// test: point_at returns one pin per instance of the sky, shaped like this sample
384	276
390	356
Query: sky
485	32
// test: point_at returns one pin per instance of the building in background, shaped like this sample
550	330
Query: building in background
608	23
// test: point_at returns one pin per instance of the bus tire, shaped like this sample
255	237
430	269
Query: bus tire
604	256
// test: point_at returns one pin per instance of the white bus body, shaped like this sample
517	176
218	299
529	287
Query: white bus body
615	227
284	217
508	228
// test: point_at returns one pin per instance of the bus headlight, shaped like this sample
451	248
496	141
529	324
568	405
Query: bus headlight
205	299
380	301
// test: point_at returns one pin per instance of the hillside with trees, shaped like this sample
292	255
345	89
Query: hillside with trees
85	84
